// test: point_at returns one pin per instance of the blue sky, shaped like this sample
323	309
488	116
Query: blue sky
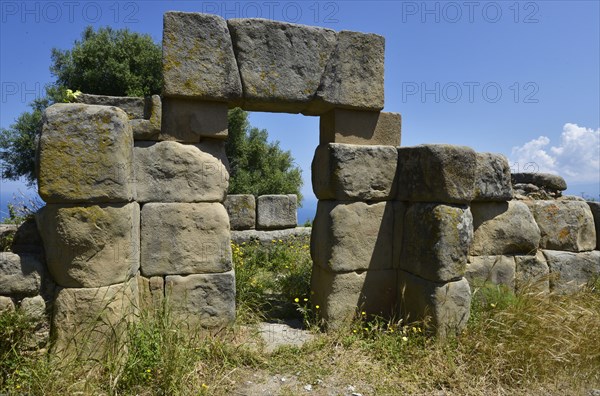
517	78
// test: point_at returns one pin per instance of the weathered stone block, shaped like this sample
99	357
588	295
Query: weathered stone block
340	296
90	245
150	127
281	64
348	172
152	293
360	127
206	300
242	211
34	307
570	271
20	274
133	106
595	209
498	270
399	214
564	225
353	77
436	173
503	228
85	155
6	304
91	323
198	58
447	305
436	241
492	178
353	236
543	180
532	273
189	121
174	172
276	211
184	238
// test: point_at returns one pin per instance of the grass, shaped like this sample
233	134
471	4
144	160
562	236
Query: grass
514	344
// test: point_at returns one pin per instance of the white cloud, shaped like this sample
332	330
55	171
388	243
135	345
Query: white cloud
576	158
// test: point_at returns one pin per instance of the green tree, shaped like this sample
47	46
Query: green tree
257	166
110	62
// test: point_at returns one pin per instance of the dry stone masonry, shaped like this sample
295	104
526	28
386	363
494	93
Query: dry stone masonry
137	213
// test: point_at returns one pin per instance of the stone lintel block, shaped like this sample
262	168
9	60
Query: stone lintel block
85	155
503	228
595	208
361	127
444	307
281	64
532	273
570	271
436	239
189	121
564	225
90	245
497	270
276	211
348	172
90	324
492	178
175	172
353	78
184	238
340	296
353	236
242	211
203	300
198	58
436	173
20	274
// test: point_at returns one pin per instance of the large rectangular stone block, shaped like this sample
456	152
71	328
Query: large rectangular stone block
353	78
532	273
184	238
497	270
198	59
564	225
348	172
492	178
90	245
276	211
175	172
436	173
436	241
206	300
595	208
570	271
242	211
444	307
353	236
340	296
85	155
360	127
281	64
91	324
503	228
189	121
21	274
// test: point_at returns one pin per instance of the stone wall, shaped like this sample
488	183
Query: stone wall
135	213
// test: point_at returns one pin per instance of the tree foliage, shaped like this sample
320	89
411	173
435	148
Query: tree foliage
257	166
110	62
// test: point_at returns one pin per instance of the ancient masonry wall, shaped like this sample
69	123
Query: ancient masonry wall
135	208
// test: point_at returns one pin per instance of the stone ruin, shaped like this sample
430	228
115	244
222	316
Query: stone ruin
135	208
